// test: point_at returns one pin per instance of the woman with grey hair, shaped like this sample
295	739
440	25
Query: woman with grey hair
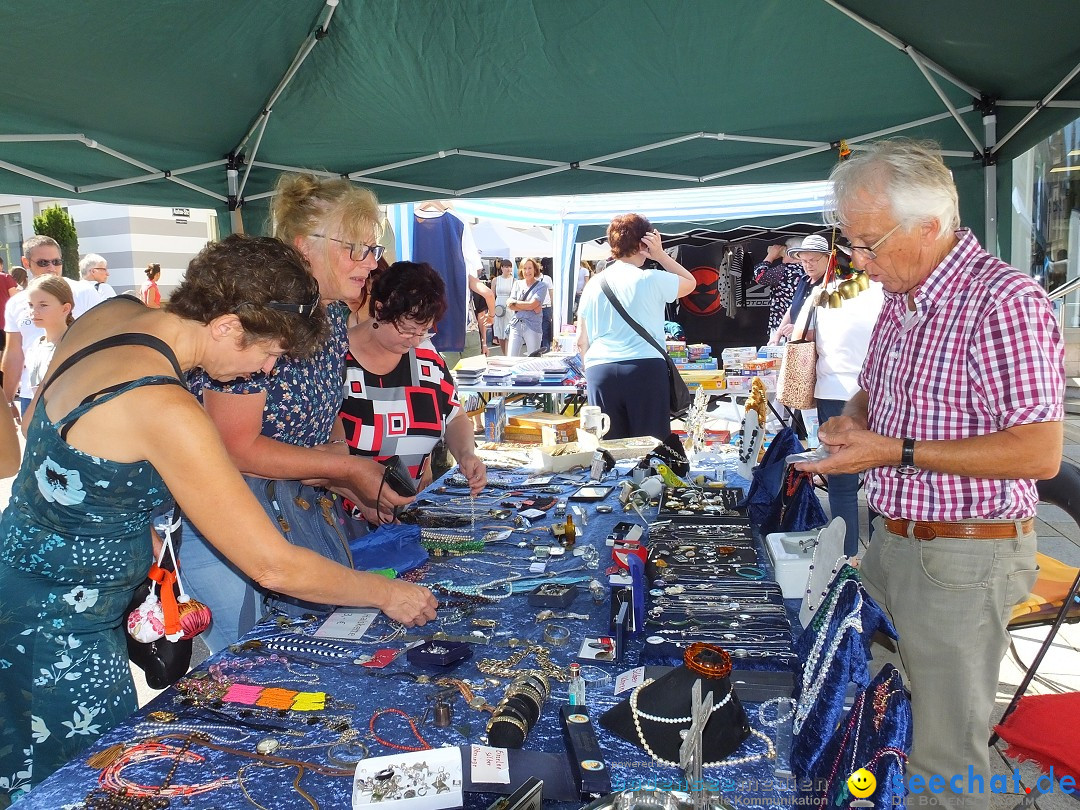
95	270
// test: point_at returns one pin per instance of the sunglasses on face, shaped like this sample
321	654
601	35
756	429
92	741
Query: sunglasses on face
47	262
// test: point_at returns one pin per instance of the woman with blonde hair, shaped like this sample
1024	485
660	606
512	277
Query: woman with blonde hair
51	305
526	302
282	429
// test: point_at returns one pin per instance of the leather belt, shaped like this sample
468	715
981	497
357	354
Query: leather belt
983	530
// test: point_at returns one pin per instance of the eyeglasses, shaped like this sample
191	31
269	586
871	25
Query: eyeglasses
871	252
47	262
299	309
427	334
356	252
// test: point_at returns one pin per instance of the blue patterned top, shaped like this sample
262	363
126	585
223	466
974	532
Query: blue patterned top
302	396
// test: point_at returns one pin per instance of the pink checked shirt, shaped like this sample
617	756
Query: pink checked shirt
981	353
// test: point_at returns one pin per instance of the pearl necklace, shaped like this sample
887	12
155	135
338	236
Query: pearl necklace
679	720
813	677
813	564
637	714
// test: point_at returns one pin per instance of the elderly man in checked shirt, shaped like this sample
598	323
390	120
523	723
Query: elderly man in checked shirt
960	411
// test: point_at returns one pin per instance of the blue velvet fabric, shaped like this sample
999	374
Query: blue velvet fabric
395	546
797	509
876	735
844	626
768	476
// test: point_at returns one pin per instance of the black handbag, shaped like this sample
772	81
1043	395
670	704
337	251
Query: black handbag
679	398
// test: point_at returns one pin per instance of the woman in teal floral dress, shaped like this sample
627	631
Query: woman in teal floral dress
75	539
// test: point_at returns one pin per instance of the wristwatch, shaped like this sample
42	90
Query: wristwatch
907	458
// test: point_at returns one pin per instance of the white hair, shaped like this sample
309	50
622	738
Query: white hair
89	262
910	175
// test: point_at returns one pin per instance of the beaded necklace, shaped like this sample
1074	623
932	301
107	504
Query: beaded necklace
424	744
112	781
769	753
813	676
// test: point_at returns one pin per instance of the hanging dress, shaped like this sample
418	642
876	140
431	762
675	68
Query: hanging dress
74	545
503	285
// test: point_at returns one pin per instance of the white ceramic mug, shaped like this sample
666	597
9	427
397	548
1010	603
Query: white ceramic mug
595	421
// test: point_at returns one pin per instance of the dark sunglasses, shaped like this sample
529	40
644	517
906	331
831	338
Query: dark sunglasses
47	262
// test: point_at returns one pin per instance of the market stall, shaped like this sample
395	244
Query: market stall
536	574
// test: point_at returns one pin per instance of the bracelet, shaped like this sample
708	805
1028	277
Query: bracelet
556	635
338	441
594	676
709	669
502	718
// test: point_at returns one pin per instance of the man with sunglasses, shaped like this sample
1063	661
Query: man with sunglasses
959	411
41	256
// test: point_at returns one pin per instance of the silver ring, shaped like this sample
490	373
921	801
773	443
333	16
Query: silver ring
556	634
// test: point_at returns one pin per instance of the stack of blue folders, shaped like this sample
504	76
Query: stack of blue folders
468	377
497	376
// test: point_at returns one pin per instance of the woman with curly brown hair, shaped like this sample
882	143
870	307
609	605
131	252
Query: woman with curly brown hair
399	397
75	539
627	377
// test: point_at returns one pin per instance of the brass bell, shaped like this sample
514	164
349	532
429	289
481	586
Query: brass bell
835	300
849	288
863	281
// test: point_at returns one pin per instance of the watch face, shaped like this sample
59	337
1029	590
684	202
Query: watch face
907	469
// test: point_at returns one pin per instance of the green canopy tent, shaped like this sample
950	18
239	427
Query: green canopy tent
203	103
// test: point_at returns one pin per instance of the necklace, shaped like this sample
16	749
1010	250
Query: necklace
424	744
635	713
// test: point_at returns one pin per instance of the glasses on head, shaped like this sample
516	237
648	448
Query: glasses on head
47	262
356	252
300	309
426	334
871	252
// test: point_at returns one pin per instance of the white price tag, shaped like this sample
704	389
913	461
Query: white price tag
630	679
347	624
489	765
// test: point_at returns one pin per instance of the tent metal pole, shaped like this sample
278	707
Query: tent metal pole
441	192
1057	103
180	181
511	158
1038	106
236	219
869	136
917	59
723	136
762	163
41	138
990	181
254	151
511	180
146	178
306	47
281	167
397	165
637	150
639	173
11	167
903	46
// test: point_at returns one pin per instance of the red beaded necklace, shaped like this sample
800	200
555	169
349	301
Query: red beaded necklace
424	744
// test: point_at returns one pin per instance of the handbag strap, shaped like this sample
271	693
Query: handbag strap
637	327
811	303
168	548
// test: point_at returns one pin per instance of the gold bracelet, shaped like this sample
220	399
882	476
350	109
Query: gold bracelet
502	718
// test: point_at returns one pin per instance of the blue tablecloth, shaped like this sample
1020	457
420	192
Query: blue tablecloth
356	692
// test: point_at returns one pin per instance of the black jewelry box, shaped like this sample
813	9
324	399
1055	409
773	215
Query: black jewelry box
439	653
553	595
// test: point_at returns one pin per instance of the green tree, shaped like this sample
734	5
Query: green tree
57	223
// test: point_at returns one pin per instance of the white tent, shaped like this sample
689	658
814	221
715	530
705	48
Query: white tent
495	239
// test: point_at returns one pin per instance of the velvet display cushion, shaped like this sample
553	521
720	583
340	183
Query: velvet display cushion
670	697
768	476
797	508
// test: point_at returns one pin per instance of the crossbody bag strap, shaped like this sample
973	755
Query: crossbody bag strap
637	327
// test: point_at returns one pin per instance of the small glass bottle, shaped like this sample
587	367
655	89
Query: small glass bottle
570	534
576	686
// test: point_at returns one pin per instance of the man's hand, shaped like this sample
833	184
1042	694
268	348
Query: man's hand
410	604
775	252
852	448
474	470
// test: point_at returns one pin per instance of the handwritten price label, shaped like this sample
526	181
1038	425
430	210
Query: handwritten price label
630	679
489	765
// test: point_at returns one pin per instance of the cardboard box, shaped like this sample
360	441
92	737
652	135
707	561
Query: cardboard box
495	419
541	427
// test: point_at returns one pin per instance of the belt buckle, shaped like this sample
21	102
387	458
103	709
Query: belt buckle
923	531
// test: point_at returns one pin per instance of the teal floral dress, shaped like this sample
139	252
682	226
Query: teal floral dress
74	545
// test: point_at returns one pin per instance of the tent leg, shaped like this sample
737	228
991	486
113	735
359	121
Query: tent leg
990	178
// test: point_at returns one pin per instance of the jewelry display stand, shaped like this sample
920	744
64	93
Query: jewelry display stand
753	436
670	698
828	551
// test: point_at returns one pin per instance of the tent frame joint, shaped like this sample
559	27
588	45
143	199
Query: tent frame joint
985	104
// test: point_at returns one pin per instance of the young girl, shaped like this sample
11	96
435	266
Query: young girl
51	303
149	292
